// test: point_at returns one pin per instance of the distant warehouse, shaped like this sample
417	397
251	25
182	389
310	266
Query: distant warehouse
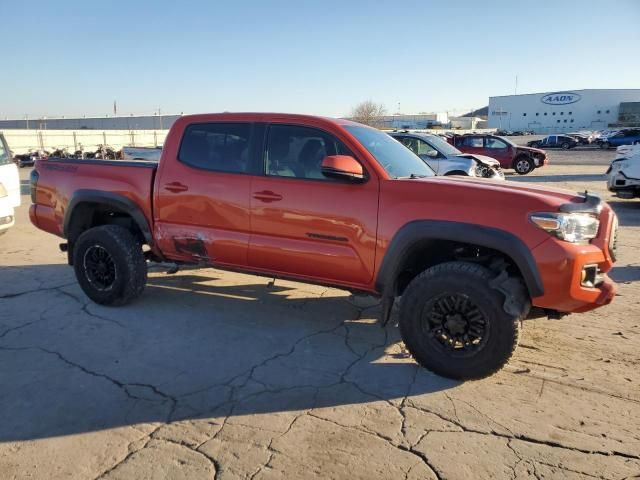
139	122
566	111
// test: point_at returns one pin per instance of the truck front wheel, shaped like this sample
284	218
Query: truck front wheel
454	323
109	265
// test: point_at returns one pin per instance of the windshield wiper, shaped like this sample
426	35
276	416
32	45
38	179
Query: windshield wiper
414	175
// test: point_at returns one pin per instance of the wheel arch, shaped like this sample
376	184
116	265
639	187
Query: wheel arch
90	208
428	237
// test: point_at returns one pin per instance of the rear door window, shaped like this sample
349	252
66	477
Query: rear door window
474	142
221	147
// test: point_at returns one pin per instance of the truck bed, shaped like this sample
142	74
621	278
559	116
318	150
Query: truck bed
59	179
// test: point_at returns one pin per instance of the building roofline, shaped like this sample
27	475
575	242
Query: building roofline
568	90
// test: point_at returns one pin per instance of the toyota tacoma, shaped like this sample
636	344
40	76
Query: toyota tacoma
333	202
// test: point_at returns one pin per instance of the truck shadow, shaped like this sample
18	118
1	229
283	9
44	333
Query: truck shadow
626	274
201	344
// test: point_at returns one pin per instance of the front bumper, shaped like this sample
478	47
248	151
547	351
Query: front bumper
561	265
7	216
617	181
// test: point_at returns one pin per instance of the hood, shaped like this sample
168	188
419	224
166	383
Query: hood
491	162
530	150
485	189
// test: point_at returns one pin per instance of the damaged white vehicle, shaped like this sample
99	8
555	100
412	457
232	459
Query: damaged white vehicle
445	159
9	187
623	175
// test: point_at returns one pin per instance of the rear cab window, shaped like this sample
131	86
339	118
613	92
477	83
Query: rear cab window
220	147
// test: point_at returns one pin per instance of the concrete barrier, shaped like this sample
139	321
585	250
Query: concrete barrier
22	140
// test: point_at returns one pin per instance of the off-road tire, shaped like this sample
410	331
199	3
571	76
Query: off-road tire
473	282
130	267
523	165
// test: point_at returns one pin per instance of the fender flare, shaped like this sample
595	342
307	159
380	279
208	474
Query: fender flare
419	230
116	201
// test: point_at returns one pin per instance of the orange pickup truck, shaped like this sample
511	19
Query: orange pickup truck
333	202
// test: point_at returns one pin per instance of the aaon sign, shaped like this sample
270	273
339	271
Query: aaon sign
560	98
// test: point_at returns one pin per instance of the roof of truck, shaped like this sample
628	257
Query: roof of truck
264	117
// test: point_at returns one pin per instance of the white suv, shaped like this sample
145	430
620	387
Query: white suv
9	187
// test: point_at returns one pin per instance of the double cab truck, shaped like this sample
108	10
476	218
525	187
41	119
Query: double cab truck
333	202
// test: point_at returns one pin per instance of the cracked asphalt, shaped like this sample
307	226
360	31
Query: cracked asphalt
216	375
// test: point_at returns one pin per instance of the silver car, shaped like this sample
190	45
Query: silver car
445	159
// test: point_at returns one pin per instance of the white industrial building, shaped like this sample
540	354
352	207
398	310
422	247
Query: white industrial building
562	111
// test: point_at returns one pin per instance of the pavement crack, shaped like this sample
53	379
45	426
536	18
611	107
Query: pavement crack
125	387
35	290
527	439
423	458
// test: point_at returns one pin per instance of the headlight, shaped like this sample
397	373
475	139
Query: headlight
3	191
571	227
618	165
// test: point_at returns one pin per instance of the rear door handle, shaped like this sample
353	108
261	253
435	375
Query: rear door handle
267	196
176	187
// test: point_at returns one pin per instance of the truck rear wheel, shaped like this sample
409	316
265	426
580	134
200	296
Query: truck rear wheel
109	265
454	323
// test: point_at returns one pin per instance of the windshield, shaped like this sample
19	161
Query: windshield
5	157
507	141
442	145
395	158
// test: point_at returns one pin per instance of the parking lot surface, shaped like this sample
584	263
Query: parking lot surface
220	375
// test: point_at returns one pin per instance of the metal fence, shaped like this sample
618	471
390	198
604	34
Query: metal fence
21	141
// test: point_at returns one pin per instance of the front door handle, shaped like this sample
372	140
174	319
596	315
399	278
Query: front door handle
176	187
267	196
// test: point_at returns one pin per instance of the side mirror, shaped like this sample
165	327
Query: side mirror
432	153
342	166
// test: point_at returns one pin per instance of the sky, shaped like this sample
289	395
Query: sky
71	58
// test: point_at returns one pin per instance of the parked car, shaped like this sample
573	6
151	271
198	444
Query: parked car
503	132
522	159
9	187
554	141
445	159
29	159
623	175
334	202
623	137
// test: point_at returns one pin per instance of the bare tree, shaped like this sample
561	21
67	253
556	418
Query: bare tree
368	113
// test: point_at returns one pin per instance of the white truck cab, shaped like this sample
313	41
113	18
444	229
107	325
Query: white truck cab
623	176
9	187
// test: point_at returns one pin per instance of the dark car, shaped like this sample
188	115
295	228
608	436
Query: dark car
630	136
522	159
555	141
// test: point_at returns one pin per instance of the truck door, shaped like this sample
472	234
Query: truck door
202	196
305	224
